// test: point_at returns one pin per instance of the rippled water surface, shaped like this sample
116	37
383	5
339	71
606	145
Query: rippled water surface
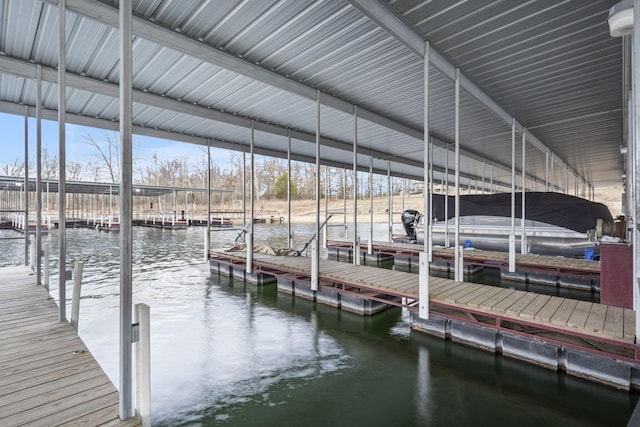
227	353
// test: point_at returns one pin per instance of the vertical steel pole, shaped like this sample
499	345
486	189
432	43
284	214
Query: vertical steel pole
636	155
315	249
356	240
252	205
327	191
344	202
491	178
370	244
446	198
26	183
389	202
125	211
62	194
512	233
424	256
552	173
431	188
289	237
523	215
38	206
546	171
458	272
483	189
244	188
208	233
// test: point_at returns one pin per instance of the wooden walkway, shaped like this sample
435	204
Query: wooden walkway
578	323
528	262
47	376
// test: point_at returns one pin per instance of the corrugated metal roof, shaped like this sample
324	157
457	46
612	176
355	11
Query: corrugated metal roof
214	65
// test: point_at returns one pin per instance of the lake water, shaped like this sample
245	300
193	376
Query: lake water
226	353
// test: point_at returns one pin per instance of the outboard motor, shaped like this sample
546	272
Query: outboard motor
410	218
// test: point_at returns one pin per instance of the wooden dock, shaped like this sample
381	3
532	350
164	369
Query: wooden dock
524	262
47	375
596	328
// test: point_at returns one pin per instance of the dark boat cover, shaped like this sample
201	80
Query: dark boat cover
558	209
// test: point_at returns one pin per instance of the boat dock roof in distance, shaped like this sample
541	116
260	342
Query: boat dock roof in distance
8	183
47	376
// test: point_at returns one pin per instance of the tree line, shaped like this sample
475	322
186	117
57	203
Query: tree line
188	172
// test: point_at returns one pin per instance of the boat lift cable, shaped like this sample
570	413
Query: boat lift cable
306	245
244	229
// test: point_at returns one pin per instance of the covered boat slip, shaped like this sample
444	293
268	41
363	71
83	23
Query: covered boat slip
505	96
595	341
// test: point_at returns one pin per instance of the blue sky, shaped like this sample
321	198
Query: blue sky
12	129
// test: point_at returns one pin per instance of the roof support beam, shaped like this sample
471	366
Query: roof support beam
27	70
109	15
394	24
17	109
174	40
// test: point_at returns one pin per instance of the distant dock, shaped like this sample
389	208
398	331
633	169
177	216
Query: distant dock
47	375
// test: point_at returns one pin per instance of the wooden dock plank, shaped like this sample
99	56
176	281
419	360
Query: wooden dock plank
488	303
580	314
629	324
507	302
42	381
564	312
451	298
614	322
549	309
530	311
481	290
522	303
595	321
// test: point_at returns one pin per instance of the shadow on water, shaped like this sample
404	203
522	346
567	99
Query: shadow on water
227	353
353	370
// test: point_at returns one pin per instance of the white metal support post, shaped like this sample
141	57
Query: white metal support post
244	188
143	364
289	236
446	197
62	194
356	239
523	216
26	183
252	205
125	211
546	171
370	243
389	201
38	237
457	259
636	155
207	234
75	299
431	188
424	257
326	206
512	233
315	247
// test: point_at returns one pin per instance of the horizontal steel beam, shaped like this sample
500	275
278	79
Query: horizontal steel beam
394	24
26	70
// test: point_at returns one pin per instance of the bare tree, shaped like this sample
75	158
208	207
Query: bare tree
108	153
14	169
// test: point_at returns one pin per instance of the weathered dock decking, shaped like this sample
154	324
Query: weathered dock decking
595	329
47	376
571	267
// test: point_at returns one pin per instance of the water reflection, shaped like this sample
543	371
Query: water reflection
229	353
